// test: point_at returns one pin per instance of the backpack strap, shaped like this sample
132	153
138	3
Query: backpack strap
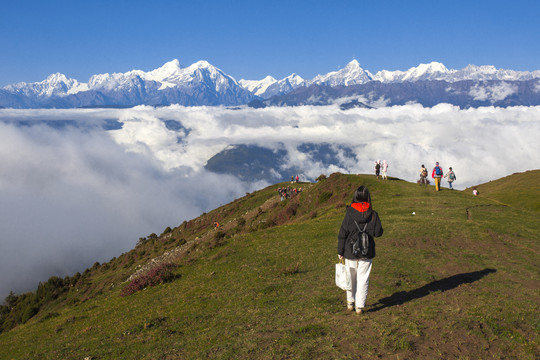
365	226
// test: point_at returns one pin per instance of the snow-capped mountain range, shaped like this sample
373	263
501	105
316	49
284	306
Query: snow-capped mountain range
354	74
204	84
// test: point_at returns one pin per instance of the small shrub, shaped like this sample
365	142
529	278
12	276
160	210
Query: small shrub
219	235
29	311
141	241
292	208
167	230
157	275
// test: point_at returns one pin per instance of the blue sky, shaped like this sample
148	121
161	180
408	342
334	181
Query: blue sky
252	39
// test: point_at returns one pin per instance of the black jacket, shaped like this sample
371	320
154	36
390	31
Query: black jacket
349	230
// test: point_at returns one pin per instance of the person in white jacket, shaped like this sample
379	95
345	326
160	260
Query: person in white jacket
384	168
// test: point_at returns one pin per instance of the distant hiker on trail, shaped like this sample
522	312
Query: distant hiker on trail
377	168
384	168
451	177
292	179
423	176
216	224
358	215
437	174
297	178
475	191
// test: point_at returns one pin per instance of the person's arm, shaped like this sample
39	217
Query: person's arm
377	230
342	237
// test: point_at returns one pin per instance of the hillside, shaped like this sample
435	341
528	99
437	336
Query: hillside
450	281
518	190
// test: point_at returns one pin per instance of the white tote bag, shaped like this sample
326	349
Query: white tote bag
343	276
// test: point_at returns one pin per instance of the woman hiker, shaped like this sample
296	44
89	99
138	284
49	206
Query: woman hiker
451	177
384	168
359	214
423	176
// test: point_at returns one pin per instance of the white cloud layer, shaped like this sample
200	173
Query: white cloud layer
73	195
493	93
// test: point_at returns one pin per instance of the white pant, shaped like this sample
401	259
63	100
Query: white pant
360	270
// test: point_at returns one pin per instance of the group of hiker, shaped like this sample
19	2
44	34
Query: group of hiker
381	168
437	174
286	192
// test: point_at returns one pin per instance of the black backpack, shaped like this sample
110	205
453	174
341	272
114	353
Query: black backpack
364	246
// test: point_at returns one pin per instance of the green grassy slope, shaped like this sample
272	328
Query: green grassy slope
518	190
451	281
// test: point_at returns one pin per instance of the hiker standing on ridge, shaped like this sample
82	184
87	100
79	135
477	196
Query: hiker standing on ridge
437	174
377	168
451	177
384	168
423	176
358	215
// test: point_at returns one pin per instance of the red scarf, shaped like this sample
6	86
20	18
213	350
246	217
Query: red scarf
362	207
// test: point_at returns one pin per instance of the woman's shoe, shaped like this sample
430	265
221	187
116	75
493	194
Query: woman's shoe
350	306
358	311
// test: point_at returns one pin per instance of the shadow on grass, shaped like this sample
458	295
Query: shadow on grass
445	284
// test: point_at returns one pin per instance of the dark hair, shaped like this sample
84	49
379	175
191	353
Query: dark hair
422	165
361	195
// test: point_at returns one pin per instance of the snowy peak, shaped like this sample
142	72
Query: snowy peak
56	84
431	71
269	86
258	87
168	71
295	80
351	74
425	71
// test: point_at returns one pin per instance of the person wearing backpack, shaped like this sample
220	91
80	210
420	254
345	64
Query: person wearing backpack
358	216
451	177
423	176
437	174
377	168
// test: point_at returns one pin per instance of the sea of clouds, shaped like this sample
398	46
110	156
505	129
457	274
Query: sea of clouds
82	185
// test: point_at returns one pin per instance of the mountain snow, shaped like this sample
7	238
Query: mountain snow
203	84
269	86
54	85
352	74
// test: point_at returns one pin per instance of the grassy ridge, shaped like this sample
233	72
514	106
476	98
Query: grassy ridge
451	281
519	190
